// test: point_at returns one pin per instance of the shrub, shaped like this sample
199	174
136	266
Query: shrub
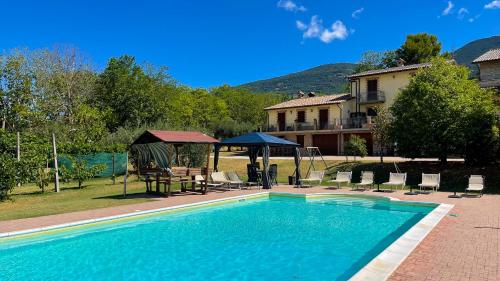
80	171
356	146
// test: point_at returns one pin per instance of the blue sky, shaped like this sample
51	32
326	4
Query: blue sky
209	43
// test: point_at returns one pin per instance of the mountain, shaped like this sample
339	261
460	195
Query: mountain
330	78
325	79
474	49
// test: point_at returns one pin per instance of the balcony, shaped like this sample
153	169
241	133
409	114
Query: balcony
304	126
337	124
371	97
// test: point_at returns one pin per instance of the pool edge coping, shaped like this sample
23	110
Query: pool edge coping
117	218
384	264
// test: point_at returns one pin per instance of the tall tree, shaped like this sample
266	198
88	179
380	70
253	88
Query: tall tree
129	95
447	114
64	82
16	87
419	48
370	60
381	131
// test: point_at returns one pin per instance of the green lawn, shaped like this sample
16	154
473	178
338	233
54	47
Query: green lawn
27	201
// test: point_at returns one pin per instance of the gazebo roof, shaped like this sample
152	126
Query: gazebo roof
257	139
174	137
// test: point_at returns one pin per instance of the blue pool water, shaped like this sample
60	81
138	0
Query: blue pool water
264	239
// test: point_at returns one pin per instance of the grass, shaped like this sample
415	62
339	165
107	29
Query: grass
27	201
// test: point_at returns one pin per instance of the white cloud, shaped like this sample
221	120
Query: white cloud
339	31
356	13
462	12
448	9
289	5
473	19
301	25
495	4
315	29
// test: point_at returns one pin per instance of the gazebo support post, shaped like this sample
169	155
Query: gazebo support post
205	187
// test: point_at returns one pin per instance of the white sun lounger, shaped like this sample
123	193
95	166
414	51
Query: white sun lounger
200	180
342	177
476	184
234	179
220	178
431	181
314	176
396	179
366	180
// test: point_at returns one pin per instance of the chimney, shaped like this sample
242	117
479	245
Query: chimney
400	62
311	94
300	94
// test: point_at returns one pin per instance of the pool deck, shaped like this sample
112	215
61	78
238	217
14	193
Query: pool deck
465	245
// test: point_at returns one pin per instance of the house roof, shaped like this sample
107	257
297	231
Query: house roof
257	139
390	70
311	101
491	55
176	137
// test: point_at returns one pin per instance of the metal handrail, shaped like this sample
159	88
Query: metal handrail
372	96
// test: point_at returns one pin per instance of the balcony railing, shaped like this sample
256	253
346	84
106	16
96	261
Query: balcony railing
372	97
304	126
337	124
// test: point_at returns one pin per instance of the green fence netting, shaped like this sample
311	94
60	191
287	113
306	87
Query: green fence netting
120	160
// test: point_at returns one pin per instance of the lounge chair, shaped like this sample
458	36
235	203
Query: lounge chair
200	180
220	177
476	184
342	177
396	179
366	180
234	179
314	176
430	181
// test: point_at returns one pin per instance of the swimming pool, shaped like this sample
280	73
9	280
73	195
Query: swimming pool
270	237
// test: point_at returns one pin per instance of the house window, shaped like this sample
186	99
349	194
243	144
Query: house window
301	116
372	86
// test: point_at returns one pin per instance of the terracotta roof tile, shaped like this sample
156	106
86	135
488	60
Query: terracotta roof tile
311	101
493	54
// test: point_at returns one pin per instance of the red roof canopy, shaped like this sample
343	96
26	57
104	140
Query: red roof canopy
174	137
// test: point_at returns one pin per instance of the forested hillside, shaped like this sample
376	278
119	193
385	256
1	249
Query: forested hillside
325	79
330	78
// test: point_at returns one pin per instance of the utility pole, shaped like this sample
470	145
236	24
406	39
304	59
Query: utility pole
56	167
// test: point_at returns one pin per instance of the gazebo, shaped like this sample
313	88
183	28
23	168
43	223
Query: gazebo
161	148
260	143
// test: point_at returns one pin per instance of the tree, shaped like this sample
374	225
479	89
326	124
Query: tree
131	95
370	60
246	107
447	114
18	101
381	131
64	81
80	171
9	175
419	48
355	146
